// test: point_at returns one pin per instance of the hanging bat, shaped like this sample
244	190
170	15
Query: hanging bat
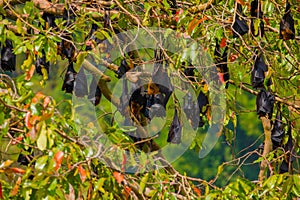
80	84
123	68
42	64
203	104
277	131
138	104
8	58
49	20
257	16
265	103
124	100
94	92
239	26
69	79
191	110
287	27
258	72
189	72
221	64
174	135
289	158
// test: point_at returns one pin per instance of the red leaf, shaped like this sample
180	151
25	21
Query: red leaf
267	21
27	120
1	193
221	77
178	12
126	192
197	191
82	173
58	157
233	57
223	43
124	162
118	176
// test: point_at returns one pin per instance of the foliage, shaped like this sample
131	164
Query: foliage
43	154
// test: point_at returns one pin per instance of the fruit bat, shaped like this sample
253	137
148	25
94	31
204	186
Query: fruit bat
65	48
70	77
8	58
256	15
287	27
174	135
41	63
161	78
189	72
191	110
277	131
49	20
123	68
289	158
94	92
124	100
258	72
221	64
80	84
239	26
202	103
137	103
265	103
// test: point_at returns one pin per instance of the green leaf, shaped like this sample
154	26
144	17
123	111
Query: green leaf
42	139
143	183
41	162
19	26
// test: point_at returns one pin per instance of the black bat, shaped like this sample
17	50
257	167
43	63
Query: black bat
8	58
80	84
124	100
189	72
287	27
289	158
264	103
239	26
221	64
138	103
191	110
258	72
202	103
69	79
277	131
42	63
123	68
94	92
161	78
256	13
174	135
49	20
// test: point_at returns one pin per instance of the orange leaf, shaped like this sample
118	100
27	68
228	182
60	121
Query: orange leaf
82	173
17	170
126	192
58	157
27	120
223	43
1	193
267	21
197	191
118	176
29	73
47	100
20	138
6	164
221	77
194	23
240	2
16	187
233	57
